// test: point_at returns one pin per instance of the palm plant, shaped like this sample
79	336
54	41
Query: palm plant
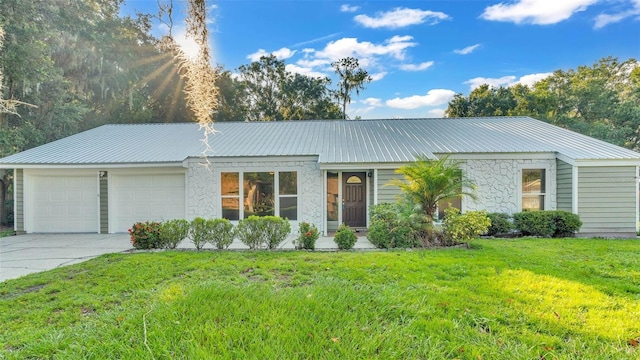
428	181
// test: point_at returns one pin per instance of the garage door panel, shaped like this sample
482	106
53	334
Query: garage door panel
63	204
154	197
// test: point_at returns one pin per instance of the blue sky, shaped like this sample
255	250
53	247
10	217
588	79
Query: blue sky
420	53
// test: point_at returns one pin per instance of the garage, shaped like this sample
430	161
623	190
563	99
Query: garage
145	197
62	203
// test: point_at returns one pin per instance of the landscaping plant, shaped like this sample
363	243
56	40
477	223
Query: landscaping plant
555	223
428	181
395	225
462	228
201	232
276	230
500	224
222	233
145	235
172	232
307	236
345	237
250	232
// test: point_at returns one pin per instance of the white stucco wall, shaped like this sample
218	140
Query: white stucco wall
203	184
498	183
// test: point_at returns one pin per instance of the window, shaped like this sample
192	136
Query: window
230	194
262	194
288	190
447	203
533	189
332	196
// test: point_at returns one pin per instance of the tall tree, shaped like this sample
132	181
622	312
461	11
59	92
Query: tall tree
352	78
601	100
272	93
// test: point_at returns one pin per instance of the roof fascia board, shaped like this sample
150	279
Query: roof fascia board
500	156
267	158
104	166
360	166
606	162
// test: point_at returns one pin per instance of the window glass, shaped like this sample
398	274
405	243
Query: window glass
447	203
288	182
332	196
533	181
229	183
258	194
354	180
533	189
231	208
289	207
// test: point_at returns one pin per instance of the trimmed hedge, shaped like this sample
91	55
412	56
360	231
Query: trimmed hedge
345	238
555	223
501	223
172	232
259	231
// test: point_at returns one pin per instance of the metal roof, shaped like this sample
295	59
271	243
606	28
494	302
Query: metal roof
333	141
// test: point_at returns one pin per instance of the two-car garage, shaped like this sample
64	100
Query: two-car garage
73	201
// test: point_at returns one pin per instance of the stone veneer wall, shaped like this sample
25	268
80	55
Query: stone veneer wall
203	185
498	180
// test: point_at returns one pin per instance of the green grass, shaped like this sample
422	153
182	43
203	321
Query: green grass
502	299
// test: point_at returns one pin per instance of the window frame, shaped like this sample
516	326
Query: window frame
276	190
545	195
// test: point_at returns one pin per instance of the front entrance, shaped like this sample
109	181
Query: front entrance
354	202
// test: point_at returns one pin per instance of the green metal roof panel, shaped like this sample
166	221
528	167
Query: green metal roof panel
333	141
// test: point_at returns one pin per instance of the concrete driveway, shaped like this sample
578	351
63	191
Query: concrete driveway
25	254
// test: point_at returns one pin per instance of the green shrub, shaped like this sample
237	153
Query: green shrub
555	223
249	231
307	237
394	226
200	232
500	224
345	238
258	231
172	232
145	235
567	223
462	228
276	230
222	233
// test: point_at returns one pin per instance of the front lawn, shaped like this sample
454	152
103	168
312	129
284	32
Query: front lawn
502	299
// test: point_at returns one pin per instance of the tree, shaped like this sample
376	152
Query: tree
428	181
272	93
352	78
601	101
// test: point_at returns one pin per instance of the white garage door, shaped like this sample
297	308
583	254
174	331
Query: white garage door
154	197
62	204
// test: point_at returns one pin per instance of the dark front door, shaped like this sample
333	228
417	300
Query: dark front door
354	204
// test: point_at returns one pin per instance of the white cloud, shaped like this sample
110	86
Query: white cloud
304	71
531	79
433	97
416	67
365	51
506	81
349	8
493	82
375	102
467	50
436	113
539	12
378	76
603	20
401	17
283	53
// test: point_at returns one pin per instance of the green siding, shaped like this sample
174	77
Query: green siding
104	204
607	199
18	198
564	186
387	193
